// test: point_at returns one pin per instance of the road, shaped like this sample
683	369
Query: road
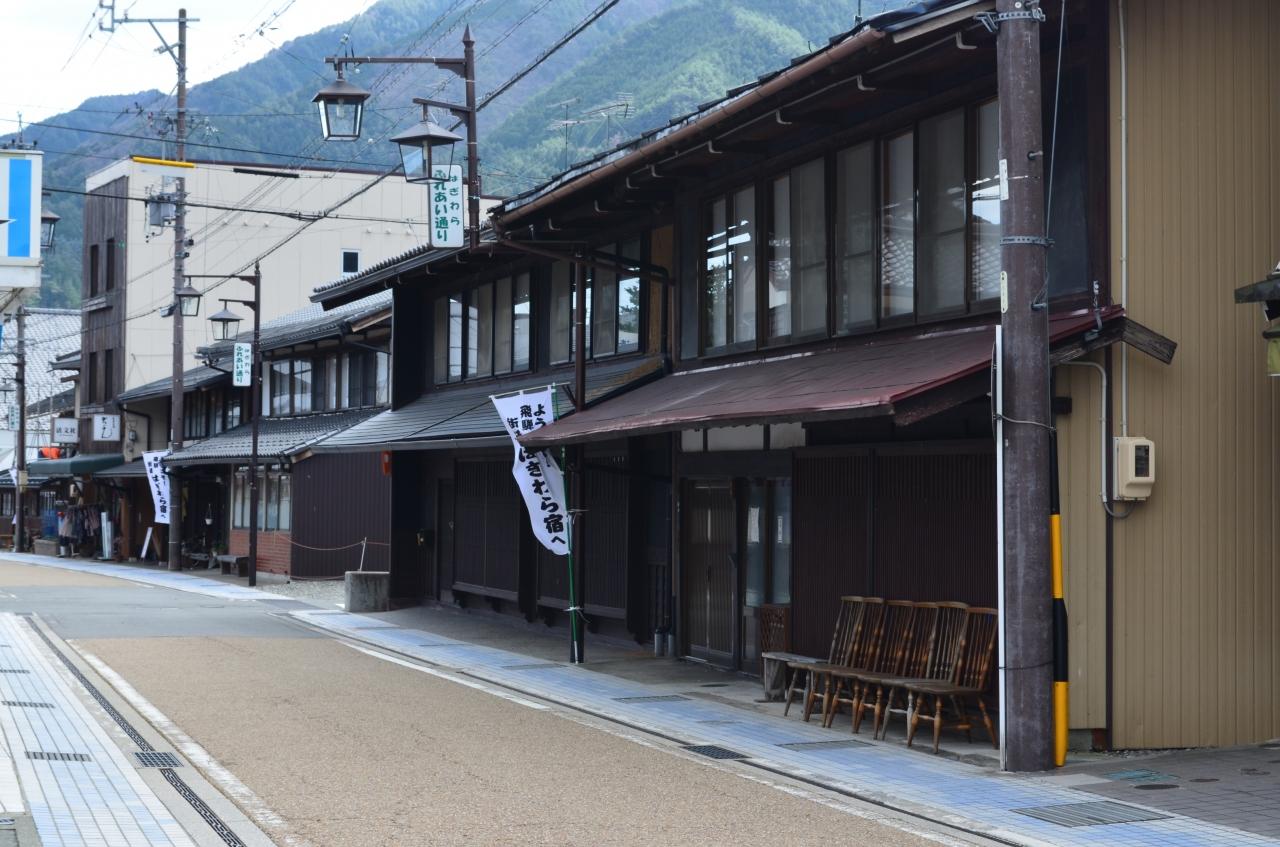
349	748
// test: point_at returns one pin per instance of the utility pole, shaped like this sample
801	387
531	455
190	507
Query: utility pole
1024	369
20	378
179	270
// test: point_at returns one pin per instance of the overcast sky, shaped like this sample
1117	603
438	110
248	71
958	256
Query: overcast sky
54	66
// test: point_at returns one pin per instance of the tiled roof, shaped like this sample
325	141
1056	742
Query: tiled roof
309	323
197	377
465	412
279	439
50	333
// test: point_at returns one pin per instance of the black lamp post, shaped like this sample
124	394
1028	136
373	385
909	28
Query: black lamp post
48	223
342	108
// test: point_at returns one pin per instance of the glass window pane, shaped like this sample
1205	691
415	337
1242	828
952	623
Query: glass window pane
984	199
272	492
369	368
440	330
331	384
742	247
355	379
629	302
942	213
262	499
480	327
715	331
502	326
561	312
855	237
780	259
344	380
604	290
520	332
898	228
286	501
318	380
280	388
382	394
757	536
455	338
809	247
301	386
780	539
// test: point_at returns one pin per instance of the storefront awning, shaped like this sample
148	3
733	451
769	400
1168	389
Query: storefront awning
279	439
465	416
85	463
909	377
125	470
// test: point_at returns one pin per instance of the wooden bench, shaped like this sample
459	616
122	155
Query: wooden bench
240	563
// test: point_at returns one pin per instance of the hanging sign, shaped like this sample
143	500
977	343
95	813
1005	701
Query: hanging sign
13	417
241	364
106	427
65	430
538	476
446	206
159	483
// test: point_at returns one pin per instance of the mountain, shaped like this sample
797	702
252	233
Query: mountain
641	63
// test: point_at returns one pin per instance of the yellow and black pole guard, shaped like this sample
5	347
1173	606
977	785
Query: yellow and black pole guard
1059	612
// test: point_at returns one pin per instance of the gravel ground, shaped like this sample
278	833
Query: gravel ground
328	594
354	751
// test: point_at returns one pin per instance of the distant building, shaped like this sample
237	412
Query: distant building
50	334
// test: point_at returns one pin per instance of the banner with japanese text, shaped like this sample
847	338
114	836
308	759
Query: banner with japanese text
537	474
447	213
159	483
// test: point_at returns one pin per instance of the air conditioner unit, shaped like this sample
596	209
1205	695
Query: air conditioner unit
1134	468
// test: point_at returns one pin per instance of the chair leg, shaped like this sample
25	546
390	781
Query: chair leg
957	703
791	689
986	719
913	720
875	732
859	696
832	704
937	722
813	695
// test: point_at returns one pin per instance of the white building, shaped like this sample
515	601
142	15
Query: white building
48	334
128	276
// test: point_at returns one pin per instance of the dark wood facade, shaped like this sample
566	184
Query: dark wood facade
104	304
332	494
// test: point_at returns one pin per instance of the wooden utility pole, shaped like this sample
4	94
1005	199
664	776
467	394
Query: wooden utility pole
1024	369
179	281
20	437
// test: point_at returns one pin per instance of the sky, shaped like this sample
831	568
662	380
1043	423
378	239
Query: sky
59	58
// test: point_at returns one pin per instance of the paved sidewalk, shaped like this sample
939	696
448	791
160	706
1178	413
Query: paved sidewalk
1078	806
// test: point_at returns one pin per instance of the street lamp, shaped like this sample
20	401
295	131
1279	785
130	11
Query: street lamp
416	144
342	108
48	222
226	324
188	301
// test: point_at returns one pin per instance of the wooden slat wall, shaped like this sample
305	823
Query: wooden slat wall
1197	634
605	535
487	529
103	329
339	500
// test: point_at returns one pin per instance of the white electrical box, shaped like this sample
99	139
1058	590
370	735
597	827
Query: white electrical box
1135	468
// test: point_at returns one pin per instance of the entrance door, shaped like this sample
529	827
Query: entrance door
444	536
709	572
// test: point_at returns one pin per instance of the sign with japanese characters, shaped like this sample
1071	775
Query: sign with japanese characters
538	476
12	417
106	427
447	206
241	364
151	463
66	430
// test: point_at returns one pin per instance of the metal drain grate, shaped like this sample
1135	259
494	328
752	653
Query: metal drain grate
14	670
652	698
714	751
533	666
46	756
817	746
1139	775
1090	814
157	759
26	704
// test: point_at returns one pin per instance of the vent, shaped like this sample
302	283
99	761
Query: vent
712	751
46	756
25	704
819	746
534	666
1090	814
652	698
157	759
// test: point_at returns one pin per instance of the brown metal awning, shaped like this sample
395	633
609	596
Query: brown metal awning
907	377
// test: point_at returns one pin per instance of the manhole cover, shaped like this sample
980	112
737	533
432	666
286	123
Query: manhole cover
1155	786
157	759
1090	814
47	756
652	698
26	704
817	746
713	751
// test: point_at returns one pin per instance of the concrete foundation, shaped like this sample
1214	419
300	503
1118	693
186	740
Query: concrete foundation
368	591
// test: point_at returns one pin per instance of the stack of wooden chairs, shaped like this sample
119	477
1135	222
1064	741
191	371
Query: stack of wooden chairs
925	661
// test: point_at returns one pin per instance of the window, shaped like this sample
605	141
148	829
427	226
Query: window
232	409
108	375
281	387
111	264
984	204
301	386
561	312
350	261
6	503
940	245
91	386
495	333
275	499
898	227
855	238
93	270
797	296
195	415
629	299
767	553
613	305
729	281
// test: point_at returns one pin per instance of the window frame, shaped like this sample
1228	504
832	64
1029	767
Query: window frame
469	297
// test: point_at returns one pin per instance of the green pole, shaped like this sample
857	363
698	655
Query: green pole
575	653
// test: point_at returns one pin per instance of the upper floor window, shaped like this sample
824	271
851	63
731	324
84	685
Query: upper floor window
613	304
483	332
350	261
94	269
111	265
913	231
338	381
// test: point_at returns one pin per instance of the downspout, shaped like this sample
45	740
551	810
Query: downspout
1124	223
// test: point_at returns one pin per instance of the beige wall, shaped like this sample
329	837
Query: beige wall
1197	594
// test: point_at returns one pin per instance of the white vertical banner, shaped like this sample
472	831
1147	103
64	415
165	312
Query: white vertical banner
241	364
151	463
538	476
446	206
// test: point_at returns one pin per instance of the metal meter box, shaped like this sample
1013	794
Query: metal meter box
1135	468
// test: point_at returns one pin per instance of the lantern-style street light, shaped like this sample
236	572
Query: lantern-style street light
48	223
342	108
188	300
226	324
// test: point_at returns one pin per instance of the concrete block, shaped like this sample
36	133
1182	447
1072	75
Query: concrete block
368	591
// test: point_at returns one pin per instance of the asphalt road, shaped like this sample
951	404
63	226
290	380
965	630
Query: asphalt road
352	750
